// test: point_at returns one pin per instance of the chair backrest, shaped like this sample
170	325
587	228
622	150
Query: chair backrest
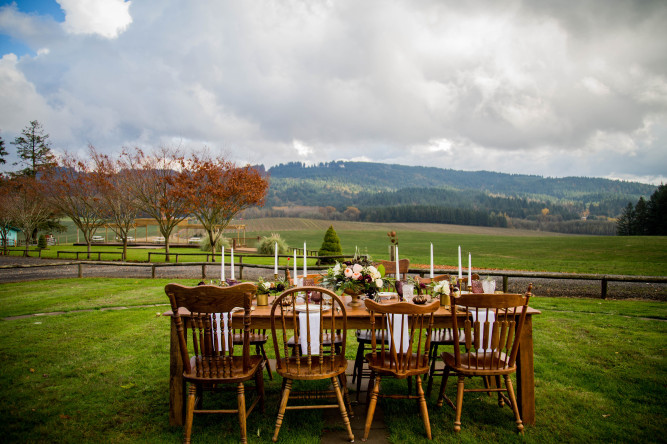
390	267
407	348
203	303
492	327
309	279
327	316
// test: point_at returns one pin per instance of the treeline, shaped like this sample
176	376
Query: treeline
433	214
645	218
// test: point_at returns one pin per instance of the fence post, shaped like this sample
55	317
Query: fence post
152	271
604	288
241	268
505	279
203	271
80	266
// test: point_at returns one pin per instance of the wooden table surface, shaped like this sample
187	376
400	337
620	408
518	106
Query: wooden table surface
359	318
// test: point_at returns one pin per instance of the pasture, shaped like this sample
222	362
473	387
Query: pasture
102	375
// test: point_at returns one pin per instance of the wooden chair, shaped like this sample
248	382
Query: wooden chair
411	358
208	362
295	363
492	330
364	336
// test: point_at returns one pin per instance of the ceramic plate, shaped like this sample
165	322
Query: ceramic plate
313	308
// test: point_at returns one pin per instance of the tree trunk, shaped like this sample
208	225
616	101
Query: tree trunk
125	248
88	246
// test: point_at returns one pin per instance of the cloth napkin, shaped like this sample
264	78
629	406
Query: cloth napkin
396	331
220	332
312	318
482	319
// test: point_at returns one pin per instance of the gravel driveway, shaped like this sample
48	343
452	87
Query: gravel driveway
542	287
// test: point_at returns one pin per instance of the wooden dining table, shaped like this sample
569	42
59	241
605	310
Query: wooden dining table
358	318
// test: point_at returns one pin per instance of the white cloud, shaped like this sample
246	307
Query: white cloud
515	86
107	18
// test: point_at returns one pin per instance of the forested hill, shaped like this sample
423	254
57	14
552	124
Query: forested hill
378	192
380	176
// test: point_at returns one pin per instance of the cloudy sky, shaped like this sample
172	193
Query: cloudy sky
553	88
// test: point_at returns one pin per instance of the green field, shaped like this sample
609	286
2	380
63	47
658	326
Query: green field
102	375
491	248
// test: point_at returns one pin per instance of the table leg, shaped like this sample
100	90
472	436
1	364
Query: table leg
176	385
525	374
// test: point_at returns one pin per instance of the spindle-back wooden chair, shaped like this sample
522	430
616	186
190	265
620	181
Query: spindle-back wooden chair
390	360
294	363
208	361
492	329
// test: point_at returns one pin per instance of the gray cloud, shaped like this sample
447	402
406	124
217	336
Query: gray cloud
551	88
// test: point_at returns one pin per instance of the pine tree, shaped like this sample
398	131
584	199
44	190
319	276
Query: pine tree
3	151
626	222
330	246
34	150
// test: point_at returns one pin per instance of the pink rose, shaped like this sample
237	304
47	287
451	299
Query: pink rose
348	272
356	276
357	268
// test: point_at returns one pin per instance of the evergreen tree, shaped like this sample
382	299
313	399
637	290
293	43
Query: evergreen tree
330	246
3	151
641	218
625	223
34	150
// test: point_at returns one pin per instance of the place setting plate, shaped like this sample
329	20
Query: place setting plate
301	308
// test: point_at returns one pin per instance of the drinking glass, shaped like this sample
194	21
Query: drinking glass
408	292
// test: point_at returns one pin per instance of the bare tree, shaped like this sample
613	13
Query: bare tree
153	182
216	190
74	191
119	205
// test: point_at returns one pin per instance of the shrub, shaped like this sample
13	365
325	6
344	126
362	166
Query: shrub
41	242
266	244
330	246
205	243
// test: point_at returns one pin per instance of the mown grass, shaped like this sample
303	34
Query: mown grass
635	255
102	376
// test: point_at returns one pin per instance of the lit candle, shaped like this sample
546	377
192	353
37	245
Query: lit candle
431	260
398	274
232	264
305	270
275	259
460	271
469	270
222	265
294	278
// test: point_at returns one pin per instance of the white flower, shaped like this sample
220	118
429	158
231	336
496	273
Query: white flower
357	268
348	272
336	269
356	276
379	283
441	288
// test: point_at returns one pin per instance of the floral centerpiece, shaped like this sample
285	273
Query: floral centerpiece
355	277
266	287
441	289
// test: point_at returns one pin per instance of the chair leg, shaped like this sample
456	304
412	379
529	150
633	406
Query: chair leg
422	407
281	409
189	414
369	389
242	413
266	362
358	368
346	394
431	371
259	384
501	400
342	408
443	386
371	407
515	407
459	403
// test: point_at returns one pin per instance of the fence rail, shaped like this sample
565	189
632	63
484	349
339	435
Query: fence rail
505	274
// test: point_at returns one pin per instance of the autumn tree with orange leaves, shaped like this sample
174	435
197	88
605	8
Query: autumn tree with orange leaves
153	182
119	207
75	192
216	190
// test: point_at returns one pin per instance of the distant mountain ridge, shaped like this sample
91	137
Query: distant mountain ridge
389	177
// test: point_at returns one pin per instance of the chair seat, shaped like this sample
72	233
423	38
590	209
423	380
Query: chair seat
445	337
287	367
479	365
383	366
326	340
255	338
236	366
366	336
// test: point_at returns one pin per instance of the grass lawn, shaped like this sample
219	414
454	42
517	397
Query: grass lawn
102	375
